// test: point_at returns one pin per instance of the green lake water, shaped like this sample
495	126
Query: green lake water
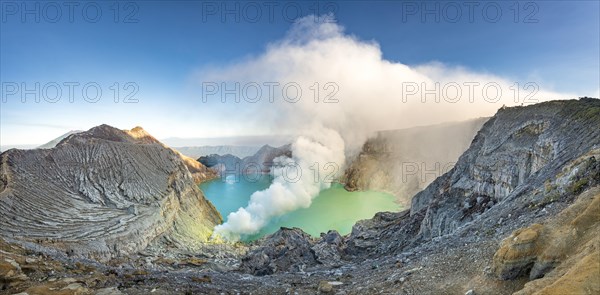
334	208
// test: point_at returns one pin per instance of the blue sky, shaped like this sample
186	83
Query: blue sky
553	43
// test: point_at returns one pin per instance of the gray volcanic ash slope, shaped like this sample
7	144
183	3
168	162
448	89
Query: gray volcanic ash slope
101	193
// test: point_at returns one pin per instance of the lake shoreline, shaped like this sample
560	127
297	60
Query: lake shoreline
334	208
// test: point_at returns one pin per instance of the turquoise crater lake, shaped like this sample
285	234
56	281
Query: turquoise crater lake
334	208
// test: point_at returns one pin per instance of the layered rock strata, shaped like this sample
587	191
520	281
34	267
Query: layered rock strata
101	193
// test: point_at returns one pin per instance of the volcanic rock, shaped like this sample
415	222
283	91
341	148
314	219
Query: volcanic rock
100	193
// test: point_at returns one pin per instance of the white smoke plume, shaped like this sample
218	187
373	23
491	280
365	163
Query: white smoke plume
297	181
372	94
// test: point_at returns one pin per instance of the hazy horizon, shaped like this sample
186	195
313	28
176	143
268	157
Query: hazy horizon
178	142
172	82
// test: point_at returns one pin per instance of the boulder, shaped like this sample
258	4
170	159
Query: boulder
288	249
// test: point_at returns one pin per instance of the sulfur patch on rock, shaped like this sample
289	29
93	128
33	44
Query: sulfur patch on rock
10	273
560	257
518	253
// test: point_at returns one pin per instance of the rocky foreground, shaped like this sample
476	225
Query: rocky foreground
518	213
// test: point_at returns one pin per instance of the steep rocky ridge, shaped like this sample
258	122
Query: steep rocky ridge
518	151
200	173
515	161
101	193
405	161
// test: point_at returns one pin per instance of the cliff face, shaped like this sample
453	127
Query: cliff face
517	158
405	161
200	173
522	158
100	193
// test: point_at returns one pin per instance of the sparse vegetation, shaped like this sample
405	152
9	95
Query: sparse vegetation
578	186
549	187
549	198
589	113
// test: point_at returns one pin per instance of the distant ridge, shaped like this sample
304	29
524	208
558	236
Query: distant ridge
262	160
55	141
240	151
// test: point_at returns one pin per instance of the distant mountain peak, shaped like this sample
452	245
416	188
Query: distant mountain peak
141	135
110	133
266	147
